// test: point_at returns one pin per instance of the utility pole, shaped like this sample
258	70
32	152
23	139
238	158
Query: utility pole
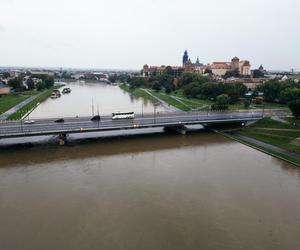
154	113
92	107
98	115
142	109
22	124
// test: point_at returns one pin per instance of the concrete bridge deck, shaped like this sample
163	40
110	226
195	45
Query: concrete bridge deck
12	129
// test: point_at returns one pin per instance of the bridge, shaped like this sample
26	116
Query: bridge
175	120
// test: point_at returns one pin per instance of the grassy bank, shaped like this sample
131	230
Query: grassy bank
33	104
8	101
180	101
279	134
264	150
138	93
170	100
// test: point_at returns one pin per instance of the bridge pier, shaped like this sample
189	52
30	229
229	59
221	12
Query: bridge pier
177	129
62	139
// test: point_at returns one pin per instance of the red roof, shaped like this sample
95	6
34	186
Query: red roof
220	65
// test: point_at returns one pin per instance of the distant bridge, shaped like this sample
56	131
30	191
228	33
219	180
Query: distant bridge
176	120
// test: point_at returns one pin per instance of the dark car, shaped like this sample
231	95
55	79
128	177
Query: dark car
96	118
61	120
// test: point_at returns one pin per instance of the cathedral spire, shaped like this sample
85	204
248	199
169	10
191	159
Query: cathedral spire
185	57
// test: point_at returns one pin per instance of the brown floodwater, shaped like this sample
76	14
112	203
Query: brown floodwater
87	99
199	191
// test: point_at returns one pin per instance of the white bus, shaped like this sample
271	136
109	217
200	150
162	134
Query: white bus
121	115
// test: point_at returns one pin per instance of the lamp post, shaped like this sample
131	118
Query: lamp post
142	109
155	105
22	125
98	113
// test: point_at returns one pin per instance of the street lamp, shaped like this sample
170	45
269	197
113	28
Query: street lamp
22	124
155	105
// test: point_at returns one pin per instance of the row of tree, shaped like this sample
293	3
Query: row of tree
193	85
45	81
285	92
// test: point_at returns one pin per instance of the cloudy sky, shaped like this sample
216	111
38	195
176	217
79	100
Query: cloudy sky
125	34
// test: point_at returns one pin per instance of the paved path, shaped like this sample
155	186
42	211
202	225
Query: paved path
269	146
278	119
279	129
11	111
167	106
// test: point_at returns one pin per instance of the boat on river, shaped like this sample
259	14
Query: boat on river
66	91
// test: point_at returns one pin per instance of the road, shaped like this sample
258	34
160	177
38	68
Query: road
84	124
11	111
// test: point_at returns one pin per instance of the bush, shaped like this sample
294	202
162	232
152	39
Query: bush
221	103
247	104
40	86
168	90
295	107
156	86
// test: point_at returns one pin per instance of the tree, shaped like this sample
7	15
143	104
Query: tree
168	90
234	91
188	89
210	90
30	84
222	102
40	85
289	94
112	78
247	104
295	107
49	81
16	83
6	74
271	90
156	86
232	73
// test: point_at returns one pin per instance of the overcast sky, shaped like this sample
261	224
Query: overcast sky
125	34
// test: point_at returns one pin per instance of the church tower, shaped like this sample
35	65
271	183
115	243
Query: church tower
185	58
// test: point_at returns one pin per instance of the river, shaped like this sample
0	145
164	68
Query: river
87	99
155	191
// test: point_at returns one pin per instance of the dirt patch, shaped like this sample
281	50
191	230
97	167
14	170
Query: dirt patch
296	142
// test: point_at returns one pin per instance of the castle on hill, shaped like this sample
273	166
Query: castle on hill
242	67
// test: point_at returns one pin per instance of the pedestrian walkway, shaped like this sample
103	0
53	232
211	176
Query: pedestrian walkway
167	106
268	146
14	109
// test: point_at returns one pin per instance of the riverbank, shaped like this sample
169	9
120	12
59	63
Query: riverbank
176	100
279	139
26	109
179	101
8	101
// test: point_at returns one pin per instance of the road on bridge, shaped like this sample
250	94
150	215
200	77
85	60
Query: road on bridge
84	124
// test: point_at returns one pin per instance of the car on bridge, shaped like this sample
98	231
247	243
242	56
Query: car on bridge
29	122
